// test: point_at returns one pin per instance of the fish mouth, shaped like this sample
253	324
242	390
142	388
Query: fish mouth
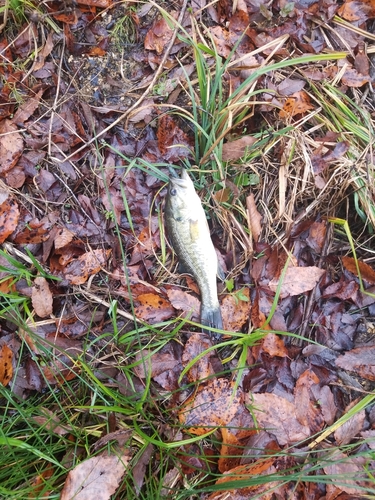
176	181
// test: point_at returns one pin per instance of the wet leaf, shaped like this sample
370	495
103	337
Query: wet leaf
6	367
41	298
297	280
9	215
360	360
63	237
79	270
98	477
195	345
339	464
213	405
278	416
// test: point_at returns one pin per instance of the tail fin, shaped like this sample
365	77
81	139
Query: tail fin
212	318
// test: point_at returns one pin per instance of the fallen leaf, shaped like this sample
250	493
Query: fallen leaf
297	280
213	405
278	416
307	412
234	150
51	422
274	346
235	312
6	367
9	215
158	36
367	272
98	477
360	360
153	308
350	429
186	302
79	270
348	473
11	145
63	237
195	345
356	10
254	217
27	108
298	103
41	298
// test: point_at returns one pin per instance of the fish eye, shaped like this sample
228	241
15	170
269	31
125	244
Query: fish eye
173	192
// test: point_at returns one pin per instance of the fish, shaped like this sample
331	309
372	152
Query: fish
189	234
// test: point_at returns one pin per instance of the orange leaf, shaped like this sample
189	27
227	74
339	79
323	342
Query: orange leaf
274	345
235	312
255	219
9	215
298	103
367	272
11	145
153	308
6	368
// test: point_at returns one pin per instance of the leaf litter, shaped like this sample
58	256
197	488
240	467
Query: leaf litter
68	205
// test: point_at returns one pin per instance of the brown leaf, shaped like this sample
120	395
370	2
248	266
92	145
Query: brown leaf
212	405
360	360
352	78
342	466
27	108
254	217
367	272
297	280
63	237
6	367
357	10
298	103
186	302
79	270
278	416
11	145
351	428
307	412
235	312
158	36
41	298
9	215
236	149
274	345
195	345
45	52
51	422
153	308
97	474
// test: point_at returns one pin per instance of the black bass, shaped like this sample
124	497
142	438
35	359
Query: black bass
189	234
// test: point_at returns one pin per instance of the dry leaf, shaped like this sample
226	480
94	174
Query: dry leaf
236	149
63	238
27	108
297	280
186	302
11	145
41	298
96	478
274	346
235	312
254	217
298	103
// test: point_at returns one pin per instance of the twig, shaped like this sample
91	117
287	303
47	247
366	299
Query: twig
145	93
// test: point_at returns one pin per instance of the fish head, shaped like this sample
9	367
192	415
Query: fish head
181	192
